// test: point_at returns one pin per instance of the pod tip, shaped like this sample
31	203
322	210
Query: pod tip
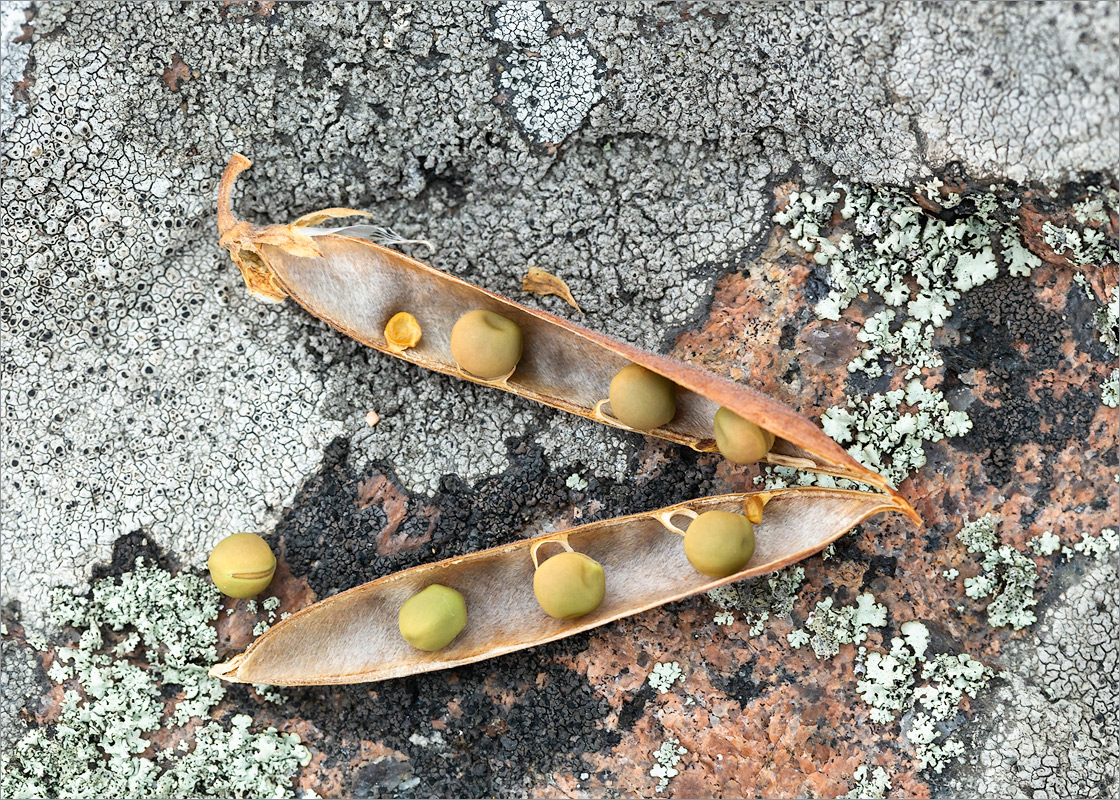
237	164
227	671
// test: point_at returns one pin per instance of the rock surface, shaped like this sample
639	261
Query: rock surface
637	151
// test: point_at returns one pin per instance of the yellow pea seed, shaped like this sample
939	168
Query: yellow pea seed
569	585
486	344
740	440
719	543
242	565
642	399
432	617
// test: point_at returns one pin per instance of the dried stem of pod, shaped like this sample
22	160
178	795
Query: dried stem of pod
599	415
501	383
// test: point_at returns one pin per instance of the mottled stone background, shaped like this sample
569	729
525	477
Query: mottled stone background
638	151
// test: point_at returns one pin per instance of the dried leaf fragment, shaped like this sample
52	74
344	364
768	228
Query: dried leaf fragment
540	282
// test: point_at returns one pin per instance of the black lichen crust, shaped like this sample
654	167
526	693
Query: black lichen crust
489	748
994	321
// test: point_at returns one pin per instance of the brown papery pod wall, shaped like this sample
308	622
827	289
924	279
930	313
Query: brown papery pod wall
353	636
356	286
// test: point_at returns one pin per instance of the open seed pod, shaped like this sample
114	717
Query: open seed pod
354	636
357	286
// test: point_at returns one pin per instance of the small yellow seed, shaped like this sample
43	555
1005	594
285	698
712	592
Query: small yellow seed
485	344
642	399
719	543
431	618
569	585
402	332
740	440
242	565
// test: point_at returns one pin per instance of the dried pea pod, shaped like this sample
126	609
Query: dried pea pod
357	286
354	637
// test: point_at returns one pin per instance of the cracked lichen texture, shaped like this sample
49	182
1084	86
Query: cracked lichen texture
144	390
876	91
1050	729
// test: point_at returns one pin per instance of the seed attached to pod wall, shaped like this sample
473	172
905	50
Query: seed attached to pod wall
402	332
242	565
719	543
485	344
431	618
569	585
740	440
642	399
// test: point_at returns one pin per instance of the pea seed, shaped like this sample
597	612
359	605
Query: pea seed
740	440
569	585
432	617
642	399
486	344
241	565
402	332
719	543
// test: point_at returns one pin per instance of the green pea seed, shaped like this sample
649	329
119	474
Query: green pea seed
719	543
642	399
740	440
432	617
242	565
486	344
569	585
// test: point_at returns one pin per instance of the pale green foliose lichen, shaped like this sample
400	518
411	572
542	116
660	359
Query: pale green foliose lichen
887	438
948	678
887	681
1107	322
1086	244
832	627
918	265
664	675
576	481
869	784
1006	575
891	687
892	684
1096	547
136	636
1045	544
776	477
668	758
916	635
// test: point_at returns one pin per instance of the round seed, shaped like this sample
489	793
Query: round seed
740	440
642	399
486	344
402	332
569	585
242	565
432	617
719	543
